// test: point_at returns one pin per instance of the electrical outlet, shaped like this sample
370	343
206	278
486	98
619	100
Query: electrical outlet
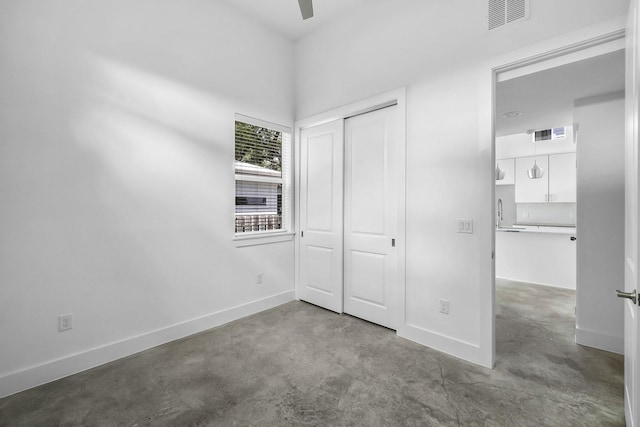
444	306
260	279
65	322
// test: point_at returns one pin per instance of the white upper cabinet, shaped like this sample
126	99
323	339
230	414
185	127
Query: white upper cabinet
508	166
562	177
557	183
532	190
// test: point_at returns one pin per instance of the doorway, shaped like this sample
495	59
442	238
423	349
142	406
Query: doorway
553	240
350	243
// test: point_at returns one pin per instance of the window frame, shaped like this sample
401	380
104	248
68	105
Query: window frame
285	233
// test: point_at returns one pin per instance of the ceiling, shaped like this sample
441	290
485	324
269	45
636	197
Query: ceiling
546	98
284	15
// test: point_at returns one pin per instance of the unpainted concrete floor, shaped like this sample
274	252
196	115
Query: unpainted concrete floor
299	365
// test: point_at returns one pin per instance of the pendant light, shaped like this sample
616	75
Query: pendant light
499	173
535	172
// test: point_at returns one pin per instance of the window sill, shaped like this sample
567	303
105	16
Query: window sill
262	238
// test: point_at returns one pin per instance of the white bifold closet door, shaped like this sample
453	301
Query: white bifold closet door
349	215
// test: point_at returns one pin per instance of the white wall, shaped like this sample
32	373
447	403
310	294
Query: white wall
116	176
445	65
600	252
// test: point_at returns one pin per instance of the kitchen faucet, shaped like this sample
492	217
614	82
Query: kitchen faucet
500	218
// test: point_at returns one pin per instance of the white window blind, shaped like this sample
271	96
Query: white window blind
262	175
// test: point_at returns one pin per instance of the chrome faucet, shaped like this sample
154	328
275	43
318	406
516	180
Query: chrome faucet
500	218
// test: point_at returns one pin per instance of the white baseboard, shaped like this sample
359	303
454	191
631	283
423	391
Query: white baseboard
445	344
600	341
24	379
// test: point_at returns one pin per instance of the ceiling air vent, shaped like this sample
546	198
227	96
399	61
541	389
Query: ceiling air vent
549	134
542	135
503	12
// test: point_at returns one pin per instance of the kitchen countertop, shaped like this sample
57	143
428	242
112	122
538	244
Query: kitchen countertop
537	229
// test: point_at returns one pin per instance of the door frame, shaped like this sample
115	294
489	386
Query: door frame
631	180
396	97
527	61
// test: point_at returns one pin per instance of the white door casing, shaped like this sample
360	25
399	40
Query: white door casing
632	261
371	216
321	210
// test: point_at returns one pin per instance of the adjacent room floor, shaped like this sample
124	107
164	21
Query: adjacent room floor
300	365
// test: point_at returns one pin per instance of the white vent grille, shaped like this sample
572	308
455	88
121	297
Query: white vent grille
497	17
502	12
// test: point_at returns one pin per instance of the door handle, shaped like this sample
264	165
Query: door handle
631	295
573	238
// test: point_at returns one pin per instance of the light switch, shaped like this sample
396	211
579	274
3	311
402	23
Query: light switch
465	225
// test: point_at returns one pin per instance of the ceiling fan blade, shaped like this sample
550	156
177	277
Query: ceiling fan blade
306	8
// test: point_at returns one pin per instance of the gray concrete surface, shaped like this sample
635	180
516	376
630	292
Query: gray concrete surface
299	365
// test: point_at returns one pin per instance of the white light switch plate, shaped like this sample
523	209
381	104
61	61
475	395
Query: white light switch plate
465	225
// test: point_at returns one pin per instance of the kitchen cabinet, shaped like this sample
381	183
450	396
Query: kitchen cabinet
532	190
508	166
546	258
557	184
562	177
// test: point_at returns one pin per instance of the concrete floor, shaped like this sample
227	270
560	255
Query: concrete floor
299	365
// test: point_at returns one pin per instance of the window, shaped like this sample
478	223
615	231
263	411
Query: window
262	171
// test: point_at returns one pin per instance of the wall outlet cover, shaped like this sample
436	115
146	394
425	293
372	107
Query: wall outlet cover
65	322
444	306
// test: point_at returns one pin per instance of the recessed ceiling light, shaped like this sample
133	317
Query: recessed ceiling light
512	114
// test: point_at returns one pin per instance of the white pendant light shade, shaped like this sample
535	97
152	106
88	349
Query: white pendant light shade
499	173
535	172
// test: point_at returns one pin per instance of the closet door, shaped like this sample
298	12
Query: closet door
321	210
371	216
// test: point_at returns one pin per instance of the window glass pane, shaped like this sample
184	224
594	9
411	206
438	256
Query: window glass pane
258	206
258	150
262	177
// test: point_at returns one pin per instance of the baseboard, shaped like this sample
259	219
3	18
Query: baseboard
24	379
451	346
600	341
